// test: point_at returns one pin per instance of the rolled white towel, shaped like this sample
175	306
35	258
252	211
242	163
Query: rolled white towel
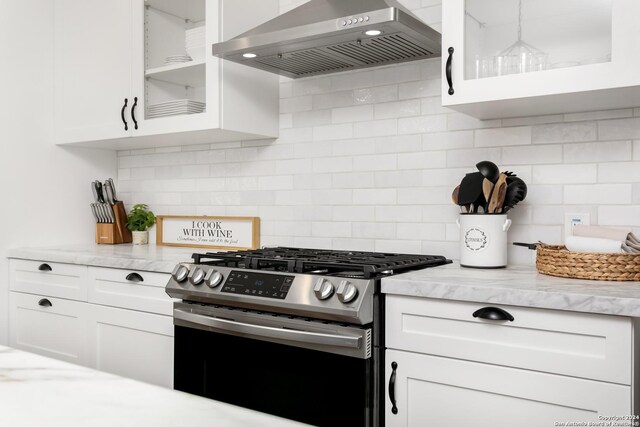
592	244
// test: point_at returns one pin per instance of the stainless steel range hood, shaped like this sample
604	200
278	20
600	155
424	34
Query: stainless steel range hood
326	36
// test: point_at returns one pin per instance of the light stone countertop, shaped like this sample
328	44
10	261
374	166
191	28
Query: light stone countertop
518	285
38	391
161	259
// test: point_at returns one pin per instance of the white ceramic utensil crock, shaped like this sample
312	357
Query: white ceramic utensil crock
483	240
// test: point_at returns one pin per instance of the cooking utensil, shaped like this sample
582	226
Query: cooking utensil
93	211
489	170
487	189
498	194
516	192
470	192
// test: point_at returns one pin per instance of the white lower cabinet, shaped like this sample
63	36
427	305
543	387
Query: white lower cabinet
446	367
49	326
442	392
131	344
114	320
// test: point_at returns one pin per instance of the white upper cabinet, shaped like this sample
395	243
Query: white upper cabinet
509	58
138	73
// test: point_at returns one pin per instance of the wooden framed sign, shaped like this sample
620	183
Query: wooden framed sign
215	232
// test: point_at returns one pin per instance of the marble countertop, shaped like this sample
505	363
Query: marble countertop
161	259
518	285
38	391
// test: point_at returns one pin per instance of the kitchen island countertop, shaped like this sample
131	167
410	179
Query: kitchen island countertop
518	285
38	391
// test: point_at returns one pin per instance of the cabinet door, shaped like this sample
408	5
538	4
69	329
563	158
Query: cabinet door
132	344
49	326
515	58
92	69
437	391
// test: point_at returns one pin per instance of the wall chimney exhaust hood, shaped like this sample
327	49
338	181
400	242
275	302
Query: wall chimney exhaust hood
328	36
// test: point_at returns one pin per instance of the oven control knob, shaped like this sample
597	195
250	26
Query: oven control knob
213	278
323	289
346	292
196	276
180	273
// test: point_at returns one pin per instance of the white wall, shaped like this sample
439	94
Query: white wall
45	189
368	160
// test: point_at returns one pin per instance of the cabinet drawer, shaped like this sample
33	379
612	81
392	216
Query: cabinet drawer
57	330
583	345
48	278
429	391
136	290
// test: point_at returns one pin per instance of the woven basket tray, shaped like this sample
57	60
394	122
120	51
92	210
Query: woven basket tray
558	261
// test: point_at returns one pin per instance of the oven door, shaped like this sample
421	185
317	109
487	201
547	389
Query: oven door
314	372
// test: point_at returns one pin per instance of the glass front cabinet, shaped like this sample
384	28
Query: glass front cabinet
509	58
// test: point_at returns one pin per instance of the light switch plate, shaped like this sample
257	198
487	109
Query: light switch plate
573	219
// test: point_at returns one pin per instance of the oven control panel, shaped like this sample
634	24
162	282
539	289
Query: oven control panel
258	284
311	295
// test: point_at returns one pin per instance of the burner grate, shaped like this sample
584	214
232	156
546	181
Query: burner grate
367	265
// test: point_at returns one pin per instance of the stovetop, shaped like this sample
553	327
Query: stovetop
348	264
313	283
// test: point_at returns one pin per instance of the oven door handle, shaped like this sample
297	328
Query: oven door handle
268	331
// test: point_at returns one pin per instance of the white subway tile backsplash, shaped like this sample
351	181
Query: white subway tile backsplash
565	174
378	196
376	162
564	132
375	94
332	132
469	158
352	114
619	172
368	160
391	110
447	140
597	152
619	129
597	194
619	215
423	160
375	128
538	154
419	89
422	124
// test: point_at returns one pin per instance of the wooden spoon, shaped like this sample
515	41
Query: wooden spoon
487	188
499	192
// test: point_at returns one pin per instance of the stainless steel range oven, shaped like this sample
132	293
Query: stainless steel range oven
293	332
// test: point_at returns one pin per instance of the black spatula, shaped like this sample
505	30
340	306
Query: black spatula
471	190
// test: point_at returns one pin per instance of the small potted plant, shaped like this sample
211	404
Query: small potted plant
139	219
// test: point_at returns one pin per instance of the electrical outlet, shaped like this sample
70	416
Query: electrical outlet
573	219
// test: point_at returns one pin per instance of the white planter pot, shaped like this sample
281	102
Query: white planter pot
483	240
140	237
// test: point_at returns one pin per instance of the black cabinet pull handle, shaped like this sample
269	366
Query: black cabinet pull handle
134	277
124	107
493	313
133	113
448	71
44	303
392	388
44	267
